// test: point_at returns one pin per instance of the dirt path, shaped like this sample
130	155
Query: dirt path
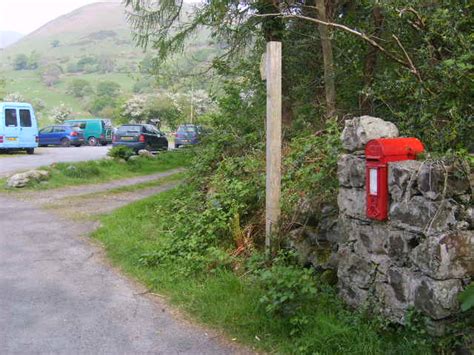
49	196
59	295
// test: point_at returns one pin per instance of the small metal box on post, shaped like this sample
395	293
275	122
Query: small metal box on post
378	153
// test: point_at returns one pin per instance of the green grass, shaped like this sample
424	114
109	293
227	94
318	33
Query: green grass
93	172
226	301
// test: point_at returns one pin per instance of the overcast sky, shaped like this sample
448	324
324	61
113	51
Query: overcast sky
25	16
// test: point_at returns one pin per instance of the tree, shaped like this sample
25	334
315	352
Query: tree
79	88
50	74
14	97
55	43
20	62
33	60
60	113
108	89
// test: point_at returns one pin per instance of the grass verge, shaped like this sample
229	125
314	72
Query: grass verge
224	300
98	171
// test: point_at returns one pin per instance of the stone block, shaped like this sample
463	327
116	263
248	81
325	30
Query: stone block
351	170
437	299
399	244
396	295
351	202
433	176
23	179
446	256
359	130
424	216
354	270
402	179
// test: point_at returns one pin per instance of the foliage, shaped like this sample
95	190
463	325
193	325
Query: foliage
14	97
288	290
80	88
20	62
50	74
108	89
60	113
120	152
55	43
467	298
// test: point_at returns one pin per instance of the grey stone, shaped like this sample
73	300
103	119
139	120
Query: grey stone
352	202
145	153
359	130
433	176
399	245
446	256
351	170
469	216
354	270
396	294
311	248
437	299
402	179
422	215
23	179
134	157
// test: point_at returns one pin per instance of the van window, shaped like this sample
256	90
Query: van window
25	118
10	117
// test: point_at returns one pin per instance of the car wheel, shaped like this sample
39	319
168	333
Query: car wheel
176	146
148	147
92	141
65	142
30	151
77	145
103	144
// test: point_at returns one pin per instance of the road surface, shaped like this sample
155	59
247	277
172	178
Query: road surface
59	295
47	156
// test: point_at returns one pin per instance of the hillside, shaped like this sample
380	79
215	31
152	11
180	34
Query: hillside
8	37
93	43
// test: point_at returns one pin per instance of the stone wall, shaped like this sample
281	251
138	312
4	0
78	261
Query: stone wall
423	256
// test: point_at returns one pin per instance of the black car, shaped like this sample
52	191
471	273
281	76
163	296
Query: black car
140	136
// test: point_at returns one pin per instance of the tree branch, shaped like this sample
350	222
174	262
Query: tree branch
407	64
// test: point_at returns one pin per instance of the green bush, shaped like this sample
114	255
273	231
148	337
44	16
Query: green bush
121	152
81	171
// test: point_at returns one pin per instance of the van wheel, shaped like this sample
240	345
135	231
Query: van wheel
30	151
65	142
92	141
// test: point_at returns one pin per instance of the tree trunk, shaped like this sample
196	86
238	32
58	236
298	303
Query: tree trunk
365	100
329	74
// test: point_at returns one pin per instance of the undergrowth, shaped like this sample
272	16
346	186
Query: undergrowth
277	307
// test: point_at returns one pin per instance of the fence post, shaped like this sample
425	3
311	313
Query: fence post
273	146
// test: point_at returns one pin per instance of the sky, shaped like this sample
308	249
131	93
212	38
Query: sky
25	16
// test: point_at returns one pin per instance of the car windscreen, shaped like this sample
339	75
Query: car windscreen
129	129
187	129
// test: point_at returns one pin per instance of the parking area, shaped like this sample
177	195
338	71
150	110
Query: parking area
10	163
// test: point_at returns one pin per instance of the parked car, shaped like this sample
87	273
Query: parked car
140	136
63	135
187	134
18	127
96	130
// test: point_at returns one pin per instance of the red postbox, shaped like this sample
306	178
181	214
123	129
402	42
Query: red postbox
378	153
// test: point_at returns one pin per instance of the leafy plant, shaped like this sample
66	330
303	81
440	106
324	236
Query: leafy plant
121	152
467	298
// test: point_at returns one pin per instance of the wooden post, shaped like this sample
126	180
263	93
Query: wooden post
273	154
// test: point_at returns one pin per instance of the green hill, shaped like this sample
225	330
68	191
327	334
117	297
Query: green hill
93	43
